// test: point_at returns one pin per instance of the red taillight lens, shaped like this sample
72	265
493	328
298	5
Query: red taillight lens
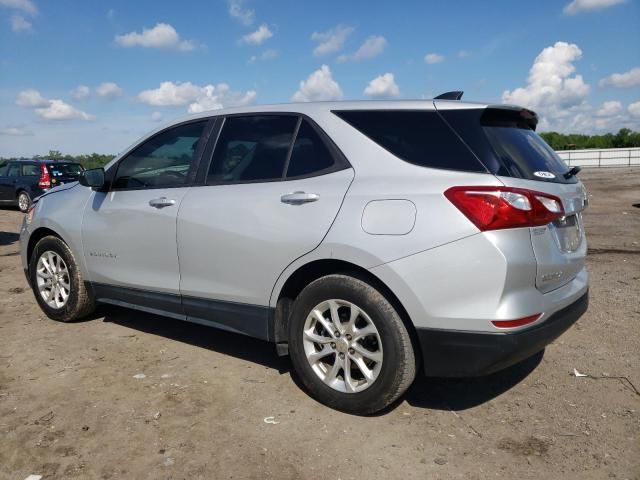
494	208
45	180
516	323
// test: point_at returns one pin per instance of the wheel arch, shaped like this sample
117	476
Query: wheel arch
316	269
37	235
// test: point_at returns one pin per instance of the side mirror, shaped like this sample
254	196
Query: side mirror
93	178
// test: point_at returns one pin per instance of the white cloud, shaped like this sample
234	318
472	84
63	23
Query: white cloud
634	109
244	15
431	58
15	132
162	35
382	86
268	54
208	97
577	6
156	117
81	92
20	24
59	110
610	108
622	80
553	90
464	53
259	36
26	6
332	40
318	86
31	98
108	90
46	109
372	47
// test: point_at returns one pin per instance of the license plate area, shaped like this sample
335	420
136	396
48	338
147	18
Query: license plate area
568	233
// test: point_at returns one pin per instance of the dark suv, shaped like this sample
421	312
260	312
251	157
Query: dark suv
23	180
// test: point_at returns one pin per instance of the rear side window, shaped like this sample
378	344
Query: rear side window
415	136
252	148
3	168
309	154
31	170
507	144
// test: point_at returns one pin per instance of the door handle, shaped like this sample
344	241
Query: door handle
298	198
162	202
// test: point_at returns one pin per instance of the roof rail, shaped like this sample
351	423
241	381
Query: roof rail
454	95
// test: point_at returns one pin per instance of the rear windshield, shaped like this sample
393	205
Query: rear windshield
504	140
420	137
65	170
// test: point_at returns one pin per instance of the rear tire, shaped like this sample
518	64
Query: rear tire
24	201
57	283
366	362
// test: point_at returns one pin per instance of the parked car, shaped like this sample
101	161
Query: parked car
23	180
368	240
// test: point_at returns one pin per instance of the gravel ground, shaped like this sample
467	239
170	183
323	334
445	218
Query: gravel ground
131	395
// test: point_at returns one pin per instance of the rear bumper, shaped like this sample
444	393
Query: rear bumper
449	353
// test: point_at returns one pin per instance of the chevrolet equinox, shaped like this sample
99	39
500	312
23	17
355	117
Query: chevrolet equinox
367	240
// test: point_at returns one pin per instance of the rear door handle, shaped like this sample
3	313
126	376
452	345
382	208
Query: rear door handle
298	198
162	202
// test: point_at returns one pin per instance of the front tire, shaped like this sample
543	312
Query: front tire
24	201
57	283
349	346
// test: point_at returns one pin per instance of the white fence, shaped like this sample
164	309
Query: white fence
608	157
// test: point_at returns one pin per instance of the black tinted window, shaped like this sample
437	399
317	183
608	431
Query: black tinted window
309	154
162	161
418	137
3	168
507	144
252	148
30	170
65	169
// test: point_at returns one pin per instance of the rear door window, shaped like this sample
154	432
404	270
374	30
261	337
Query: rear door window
252	148
4	166
420	137
14	170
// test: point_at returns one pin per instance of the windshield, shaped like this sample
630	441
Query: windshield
65	170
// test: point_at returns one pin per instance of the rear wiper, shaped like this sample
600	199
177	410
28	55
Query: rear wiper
572	172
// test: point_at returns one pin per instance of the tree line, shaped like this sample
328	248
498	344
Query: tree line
625	138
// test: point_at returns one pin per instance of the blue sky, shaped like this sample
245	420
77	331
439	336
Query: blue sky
94	76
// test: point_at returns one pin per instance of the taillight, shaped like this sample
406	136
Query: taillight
494	208
45	180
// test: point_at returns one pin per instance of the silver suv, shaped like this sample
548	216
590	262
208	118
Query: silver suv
367	240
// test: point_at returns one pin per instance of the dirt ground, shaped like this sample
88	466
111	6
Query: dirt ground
131	395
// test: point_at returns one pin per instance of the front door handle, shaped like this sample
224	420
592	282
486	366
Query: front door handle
162	202
298	198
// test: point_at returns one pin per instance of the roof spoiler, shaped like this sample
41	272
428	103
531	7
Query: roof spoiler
454	95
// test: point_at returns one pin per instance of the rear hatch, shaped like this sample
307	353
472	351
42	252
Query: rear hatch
62	173
504	140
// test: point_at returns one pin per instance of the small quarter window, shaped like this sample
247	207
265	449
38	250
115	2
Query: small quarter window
30	170
310	154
